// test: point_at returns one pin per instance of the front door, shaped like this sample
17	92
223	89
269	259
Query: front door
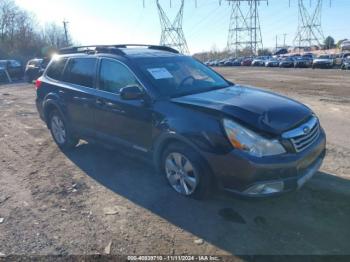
127	122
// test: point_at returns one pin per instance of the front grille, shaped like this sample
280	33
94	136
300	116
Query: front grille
305	135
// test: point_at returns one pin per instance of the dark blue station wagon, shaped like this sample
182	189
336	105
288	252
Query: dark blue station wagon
199	129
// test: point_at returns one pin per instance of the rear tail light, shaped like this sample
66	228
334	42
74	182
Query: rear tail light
38	83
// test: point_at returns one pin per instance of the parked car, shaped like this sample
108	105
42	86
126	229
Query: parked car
199	128
222	62
13	67
308	55
237	62
247	61
339	59
345	45
259	61
35	68
272	63
346	64
302	62
229	62
215	63
323	61
281	51
207	63
287	62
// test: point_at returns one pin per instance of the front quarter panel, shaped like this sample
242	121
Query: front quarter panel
201	129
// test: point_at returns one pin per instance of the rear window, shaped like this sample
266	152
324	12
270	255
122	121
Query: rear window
80	71
15	63
36	63
56	68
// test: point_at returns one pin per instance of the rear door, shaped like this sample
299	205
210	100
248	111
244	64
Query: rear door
127	122
79	97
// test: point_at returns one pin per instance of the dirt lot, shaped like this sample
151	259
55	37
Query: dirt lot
92	198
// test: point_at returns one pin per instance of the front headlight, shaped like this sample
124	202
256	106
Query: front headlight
246	140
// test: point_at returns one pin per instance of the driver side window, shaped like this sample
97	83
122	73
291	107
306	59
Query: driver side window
114	76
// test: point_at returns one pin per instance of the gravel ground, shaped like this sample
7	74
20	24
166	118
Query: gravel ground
95	201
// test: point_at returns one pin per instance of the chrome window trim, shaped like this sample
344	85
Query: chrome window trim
300	130
141	85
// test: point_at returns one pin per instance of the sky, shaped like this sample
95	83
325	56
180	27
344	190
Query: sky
205	26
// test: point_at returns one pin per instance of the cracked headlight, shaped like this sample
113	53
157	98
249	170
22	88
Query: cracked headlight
246	140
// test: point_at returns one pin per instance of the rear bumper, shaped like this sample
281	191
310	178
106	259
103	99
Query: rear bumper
301	65
238	172
40	109
286	65
322	65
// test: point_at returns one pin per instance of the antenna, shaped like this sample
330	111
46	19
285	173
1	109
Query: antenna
310	27
172	33
244	30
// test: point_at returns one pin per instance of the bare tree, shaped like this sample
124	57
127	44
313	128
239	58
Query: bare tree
21	37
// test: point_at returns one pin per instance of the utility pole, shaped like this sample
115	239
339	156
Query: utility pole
244	29
172	32
284	40
309	27
65	23
276	42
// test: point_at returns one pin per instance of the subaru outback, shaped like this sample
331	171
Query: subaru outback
199	129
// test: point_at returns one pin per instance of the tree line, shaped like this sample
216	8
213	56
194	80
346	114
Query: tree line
23	38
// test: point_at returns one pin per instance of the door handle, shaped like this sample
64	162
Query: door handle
100	102
113	107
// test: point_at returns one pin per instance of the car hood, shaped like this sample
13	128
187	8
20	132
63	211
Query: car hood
322	60
261	110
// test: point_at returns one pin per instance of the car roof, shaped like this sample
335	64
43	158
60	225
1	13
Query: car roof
128	51
145	52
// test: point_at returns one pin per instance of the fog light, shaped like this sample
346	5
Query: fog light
264	189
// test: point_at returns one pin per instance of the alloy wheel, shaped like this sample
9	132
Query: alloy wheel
181	173
58	129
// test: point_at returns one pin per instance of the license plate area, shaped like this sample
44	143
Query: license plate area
311	171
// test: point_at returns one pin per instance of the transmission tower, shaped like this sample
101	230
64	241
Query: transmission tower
172	33
245	31
309	25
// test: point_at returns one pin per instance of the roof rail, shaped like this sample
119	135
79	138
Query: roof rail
154	47
91	49
113	49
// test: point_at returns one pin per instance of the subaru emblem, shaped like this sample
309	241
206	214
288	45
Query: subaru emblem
306	130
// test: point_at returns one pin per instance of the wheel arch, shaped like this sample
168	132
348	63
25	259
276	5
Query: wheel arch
49	106
169	138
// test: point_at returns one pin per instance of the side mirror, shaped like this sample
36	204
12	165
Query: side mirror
131	93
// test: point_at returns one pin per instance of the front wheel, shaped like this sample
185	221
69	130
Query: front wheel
185	172
60	132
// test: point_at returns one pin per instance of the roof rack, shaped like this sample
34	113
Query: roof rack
112	49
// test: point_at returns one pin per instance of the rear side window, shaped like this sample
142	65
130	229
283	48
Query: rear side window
56	68
80	71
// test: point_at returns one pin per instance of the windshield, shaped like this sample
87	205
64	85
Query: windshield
178	76
324	57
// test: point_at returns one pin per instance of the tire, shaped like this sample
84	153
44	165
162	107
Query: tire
60	132
197	178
